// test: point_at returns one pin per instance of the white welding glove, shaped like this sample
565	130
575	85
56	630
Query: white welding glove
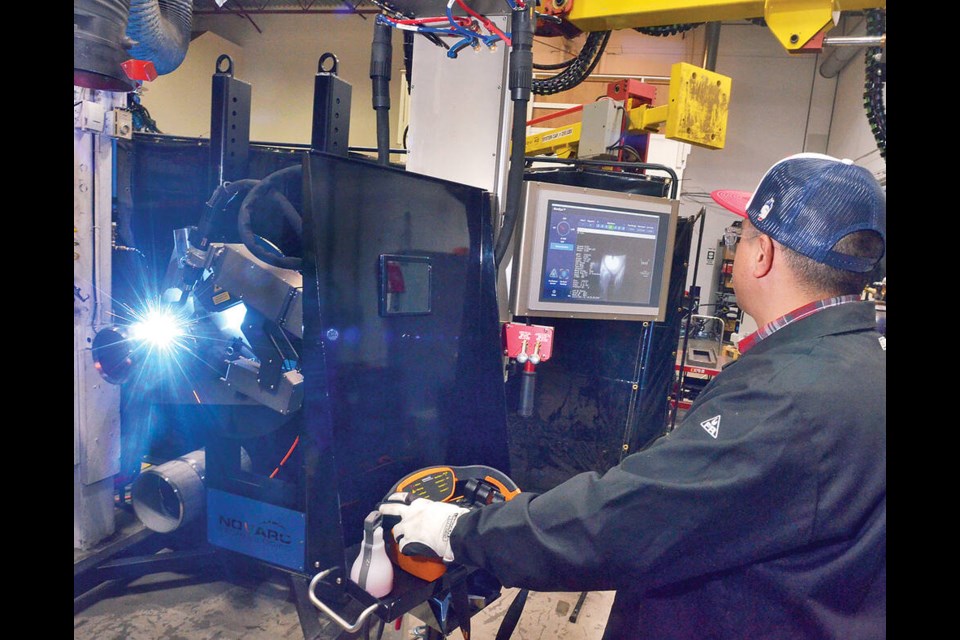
425	525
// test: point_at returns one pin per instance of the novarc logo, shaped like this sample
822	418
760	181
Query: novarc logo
267	531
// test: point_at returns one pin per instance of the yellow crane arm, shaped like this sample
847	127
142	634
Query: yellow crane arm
561	141
793	22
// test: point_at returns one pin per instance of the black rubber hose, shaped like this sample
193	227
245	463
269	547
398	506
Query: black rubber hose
286	209
555	66
528	385
261	191
383	136
616	163
521	82
217	202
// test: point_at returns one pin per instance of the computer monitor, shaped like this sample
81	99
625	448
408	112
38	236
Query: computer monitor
592	253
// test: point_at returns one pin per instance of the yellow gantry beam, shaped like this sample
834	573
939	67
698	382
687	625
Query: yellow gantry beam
793	22
562	141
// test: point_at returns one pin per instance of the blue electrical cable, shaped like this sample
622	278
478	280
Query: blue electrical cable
468	37
418	28
452	52
463	31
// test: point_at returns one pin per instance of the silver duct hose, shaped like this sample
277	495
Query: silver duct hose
169	495
161	32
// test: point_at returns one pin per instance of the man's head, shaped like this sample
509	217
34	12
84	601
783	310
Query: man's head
829	215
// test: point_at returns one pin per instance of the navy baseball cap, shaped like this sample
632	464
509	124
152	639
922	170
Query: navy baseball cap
808	201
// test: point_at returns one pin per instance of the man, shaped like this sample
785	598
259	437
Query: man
763	514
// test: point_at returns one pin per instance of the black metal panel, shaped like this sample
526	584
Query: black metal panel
603	394
578	425
393	394
331	110
657	382
230	127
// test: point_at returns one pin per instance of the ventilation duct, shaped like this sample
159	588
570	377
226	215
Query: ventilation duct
100	44
160	30
110	32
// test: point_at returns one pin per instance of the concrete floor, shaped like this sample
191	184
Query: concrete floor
225	601
166	607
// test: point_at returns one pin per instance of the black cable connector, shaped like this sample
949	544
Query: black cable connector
521	54
381	59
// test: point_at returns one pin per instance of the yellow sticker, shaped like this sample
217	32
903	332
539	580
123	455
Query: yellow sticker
221	297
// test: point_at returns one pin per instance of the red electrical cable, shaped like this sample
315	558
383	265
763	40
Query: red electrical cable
462	21
286	457
486	22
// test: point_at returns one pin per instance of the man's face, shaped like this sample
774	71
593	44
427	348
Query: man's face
743	263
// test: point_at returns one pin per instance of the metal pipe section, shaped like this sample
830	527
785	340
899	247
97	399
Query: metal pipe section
711	46
838	58
167	496
856	41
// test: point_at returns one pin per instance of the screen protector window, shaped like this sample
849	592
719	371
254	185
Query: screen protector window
600	254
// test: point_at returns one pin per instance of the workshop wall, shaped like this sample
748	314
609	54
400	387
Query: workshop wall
179	102
278	56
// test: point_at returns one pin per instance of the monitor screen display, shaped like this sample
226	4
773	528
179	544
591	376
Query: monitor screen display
593	253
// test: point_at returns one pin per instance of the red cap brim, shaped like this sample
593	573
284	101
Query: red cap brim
735	201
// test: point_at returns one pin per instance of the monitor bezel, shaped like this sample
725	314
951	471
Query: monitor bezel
527	269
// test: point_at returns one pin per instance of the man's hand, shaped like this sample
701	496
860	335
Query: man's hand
425	525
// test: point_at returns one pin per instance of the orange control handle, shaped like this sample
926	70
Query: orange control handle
442	483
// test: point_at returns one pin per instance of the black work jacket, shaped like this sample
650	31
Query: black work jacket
762	515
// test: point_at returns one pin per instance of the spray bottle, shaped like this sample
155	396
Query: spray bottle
372	569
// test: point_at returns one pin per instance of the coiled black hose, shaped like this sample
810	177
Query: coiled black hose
578	69
875	81
267	190
667	30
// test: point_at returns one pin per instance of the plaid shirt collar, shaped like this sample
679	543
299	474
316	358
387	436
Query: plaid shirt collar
766	330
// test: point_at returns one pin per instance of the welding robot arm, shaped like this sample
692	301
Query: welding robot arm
272	323
262	360
195	251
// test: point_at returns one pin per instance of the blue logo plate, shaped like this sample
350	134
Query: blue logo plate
257	529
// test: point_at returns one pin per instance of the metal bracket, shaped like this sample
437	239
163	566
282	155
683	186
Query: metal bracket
319	604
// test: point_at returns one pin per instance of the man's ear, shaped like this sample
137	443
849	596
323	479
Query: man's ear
763	260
